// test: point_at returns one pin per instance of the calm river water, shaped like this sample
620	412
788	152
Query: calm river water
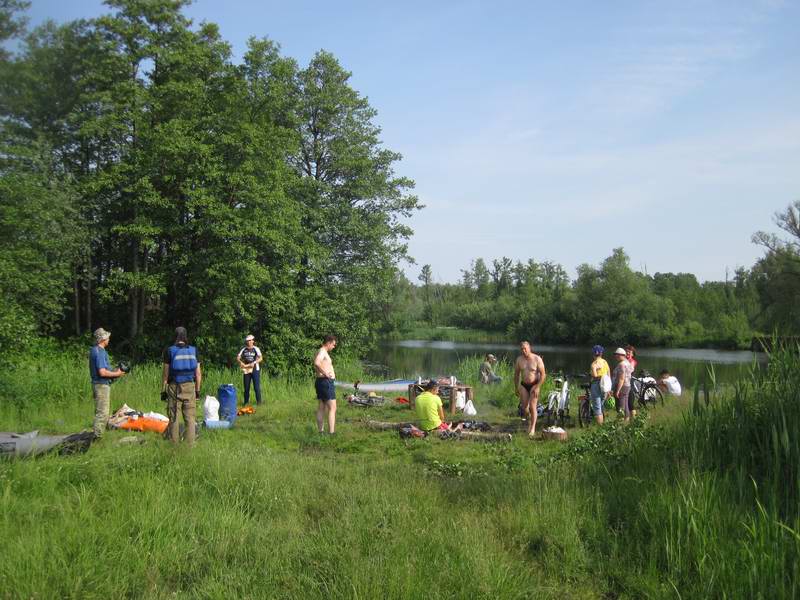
412	358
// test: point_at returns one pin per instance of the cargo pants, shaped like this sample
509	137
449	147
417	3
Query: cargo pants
181	396
101	392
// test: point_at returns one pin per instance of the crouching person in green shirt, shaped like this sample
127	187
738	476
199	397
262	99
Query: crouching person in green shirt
430	411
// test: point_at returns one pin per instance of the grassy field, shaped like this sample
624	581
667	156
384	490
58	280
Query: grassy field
698	499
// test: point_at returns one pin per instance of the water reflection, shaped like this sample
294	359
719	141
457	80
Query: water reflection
412	358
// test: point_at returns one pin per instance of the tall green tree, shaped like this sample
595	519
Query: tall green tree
39	238
352	202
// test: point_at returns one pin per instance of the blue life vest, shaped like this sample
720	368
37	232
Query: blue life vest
182	363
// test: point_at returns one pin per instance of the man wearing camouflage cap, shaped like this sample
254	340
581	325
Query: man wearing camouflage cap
102	376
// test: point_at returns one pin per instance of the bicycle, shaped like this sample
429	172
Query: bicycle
585	411
556	407
646	390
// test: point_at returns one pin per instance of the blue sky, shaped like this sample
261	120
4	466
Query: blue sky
559	131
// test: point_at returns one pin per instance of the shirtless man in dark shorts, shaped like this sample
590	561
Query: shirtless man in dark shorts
324	385
529	375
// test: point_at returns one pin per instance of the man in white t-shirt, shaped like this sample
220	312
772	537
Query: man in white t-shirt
249	359
669	383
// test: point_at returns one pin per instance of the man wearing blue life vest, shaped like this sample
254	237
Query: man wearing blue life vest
180	385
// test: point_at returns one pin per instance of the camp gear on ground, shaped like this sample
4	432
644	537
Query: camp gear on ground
461	400
218	424
157	416
246	410
393	385
410	431
469	409
211	409
475	426
371	400
554	433
226	393
476	436
136	423
133	420
401	400
29	444
121	416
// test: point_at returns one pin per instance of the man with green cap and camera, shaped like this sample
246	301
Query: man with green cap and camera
102	377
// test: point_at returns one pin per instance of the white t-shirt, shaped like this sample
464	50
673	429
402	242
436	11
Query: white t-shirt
673	385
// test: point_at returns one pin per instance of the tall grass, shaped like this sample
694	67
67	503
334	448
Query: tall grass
711	501
687	502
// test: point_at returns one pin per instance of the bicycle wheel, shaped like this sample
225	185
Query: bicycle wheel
584	413
654	395
552	407
650	395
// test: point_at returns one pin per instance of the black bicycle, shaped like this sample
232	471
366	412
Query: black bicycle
646	391
585	411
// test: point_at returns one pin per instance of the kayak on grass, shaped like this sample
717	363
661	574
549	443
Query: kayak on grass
393	385
31	443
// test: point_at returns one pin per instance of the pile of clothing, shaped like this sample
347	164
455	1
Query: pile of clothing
133	420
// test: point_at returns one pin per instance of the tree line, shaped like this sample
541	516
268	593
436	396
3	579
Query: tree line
613	302
148	179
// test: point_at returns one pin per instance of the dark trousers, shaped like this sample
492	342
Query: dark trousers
255	377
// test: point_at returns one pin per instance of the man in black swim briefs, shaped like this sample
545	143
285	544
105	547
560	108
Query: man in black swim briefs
529	375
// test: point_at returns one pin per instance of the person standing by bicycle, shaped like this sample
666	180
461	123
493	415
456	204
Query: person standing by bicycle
599	369
621	384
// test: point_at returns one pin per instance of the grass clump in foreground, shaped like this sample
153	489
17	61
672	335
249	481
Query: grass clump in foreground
700	506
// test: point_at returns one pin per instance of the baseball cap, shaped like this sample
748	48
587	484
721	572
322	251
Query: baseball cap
597	349
620	351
